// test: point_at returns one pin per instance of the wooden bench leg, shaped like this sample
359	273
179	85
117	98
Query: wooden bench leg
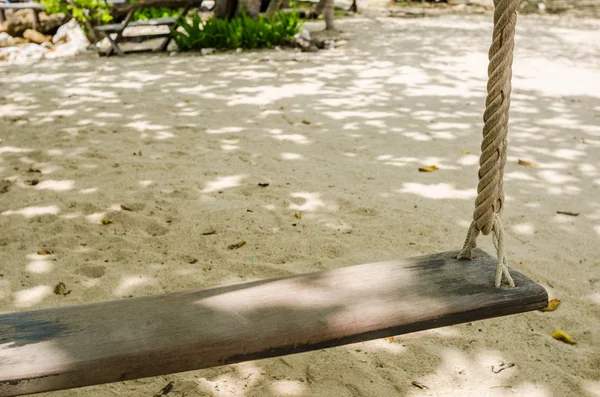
182	15
114	46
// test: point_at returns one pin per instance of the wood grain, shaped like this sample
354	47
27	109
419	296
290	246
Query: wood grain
112	341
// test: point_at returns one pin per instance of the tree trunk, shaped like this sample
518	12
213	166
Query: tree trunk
274	6
353	7
225	8
328	14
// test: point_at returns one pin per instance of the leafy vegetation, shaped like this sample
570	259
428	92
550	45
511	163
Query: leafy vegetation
239	32
82	10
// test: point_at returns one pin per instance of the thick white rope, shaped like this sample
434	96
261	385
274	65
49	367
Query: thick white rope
490	190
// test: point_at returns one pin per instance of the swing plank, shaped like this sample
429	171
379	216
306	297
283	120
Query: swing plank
112	341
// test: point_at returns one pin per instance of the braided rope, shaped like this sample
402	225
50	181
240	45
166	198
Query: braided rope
490	190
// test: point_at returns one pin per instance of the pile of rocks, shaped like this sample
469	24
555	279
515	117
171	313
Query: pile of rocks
68	40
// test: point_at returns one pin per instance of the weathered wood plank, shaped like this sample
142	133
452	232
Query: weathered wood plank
117	27
22	6
111	341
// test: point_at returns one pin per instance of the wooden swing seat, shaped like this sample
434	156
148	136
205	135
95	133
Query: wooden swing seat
90	344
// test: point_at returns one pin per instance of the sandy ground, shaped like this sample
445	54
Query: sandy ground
183	142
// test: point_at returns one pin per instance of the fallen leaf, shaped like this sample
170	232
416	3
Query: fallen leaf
390	339
431	168
568	213
126	208
298	215
528	163
115	165
502	367
466	151
305	122
140	153
61	289
192	261
263	184
106	221
187	100
165	390
552	305
211	231
237	245
5	186
563	337
419	385
44	252
32	182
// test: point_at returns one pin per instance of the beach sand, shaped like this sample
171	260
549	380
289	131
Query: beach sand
182	143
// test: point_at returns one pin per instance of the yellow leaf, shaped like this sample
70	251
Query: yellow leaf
552	306
390	339
563	337
237	245
298	215
44	252
466	151
528	163
106	221
431	168
305	122
61	289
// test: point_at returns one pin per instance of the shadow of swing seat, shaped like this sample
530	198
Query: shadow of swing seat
89	344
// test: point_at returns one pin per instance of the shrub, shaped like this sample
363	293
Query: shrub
144	14
81	10
239	32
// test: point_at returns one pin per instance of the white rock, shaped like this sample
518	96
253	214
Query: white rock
72	33
6	40
23	53
207	51
303	34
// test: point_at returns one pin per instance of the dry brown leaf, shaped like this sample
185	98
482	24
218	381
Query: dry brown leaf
390	339
419	385
528	163
32	182
126	208
61	289
139	153
44	252
211	231
568	213
237	245
563	337
501	367
431	168
305	122
552	305
263	184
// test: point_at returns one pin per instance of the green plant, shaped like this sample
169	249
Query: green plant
144	14
82	10
239	32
